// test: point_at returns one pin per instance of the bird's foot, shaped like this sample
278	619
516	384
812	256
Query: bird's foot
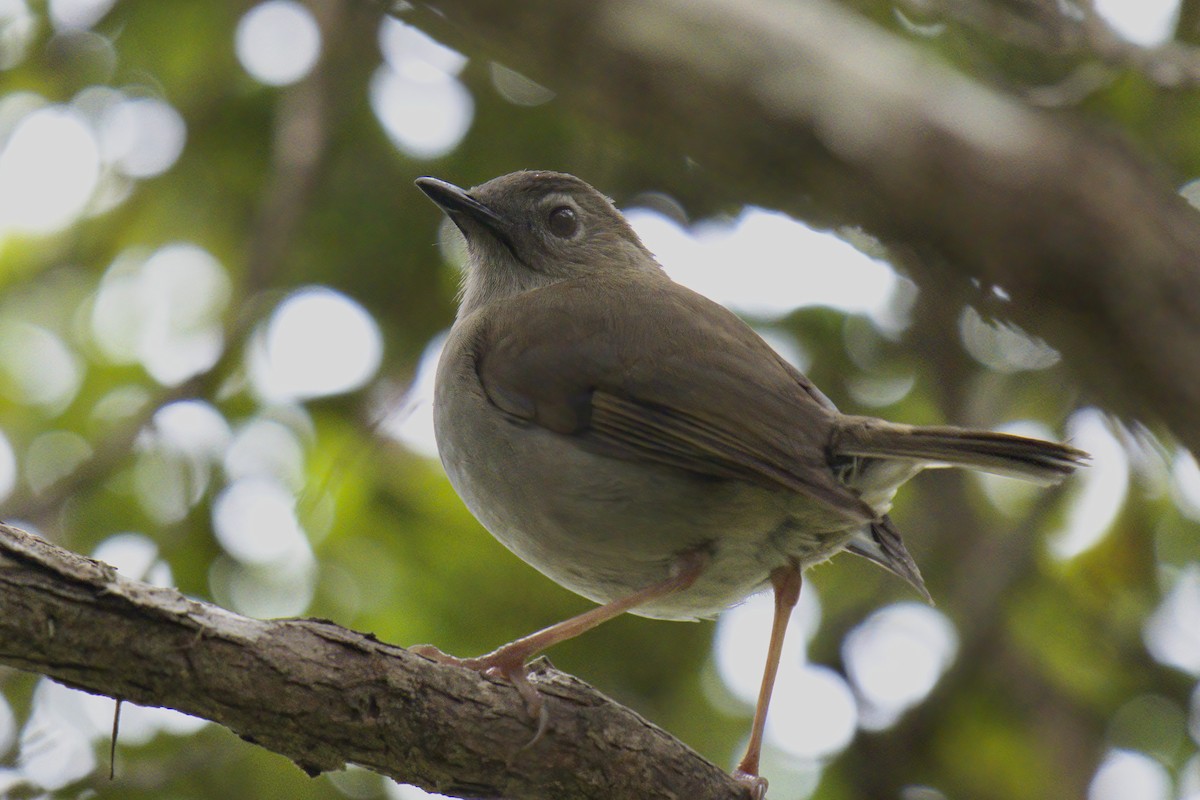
755	784
508	663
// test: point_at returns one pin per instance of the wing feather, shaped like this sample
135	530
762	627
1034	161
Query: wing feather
644	369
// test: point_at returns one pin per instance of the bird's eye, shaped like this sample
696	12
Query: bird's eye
562	222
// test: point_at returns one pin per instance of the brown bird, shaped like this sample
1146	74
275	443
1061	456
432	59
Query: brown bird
641	445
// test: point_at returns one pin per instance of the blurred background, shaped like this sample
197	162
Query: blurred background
221	303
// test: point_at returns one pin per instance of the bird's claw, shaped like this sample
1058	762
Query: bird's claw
756	785
507	666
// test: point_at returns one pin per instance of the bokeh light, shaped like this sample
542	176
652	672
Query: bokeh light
402	791
8	471
141	136
78	14
405	47
139	724
17	28
1002	347
255	522
267	448
176	454
37	367
279	589
813	712
162	310
270	570
135	556
49	166
8	729
517	89
356	783
410	422
163	485
1185	483
1172	632
56	741
193	428
1126	775
895	658
742	634
416	95
54	159
1144	22
1098	492
318	342
1189	779
278	42
739	265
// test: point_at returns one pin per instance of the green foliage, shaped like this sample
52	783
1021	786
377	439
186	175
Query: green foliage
1052	668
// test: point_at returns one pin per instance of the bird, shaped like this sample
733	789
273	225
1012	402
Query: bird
642	446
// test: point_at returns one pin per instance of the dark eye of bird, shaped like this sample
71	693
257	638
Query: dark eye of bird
562	222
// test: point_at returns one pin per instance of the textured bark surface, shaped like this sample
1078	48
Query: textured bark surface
325	696
805	107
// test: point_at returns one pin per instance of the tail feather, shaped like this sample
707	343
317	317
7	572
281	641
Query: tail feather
880	542
1001	453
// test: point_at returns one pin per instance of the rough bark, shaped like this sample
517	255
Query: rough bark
325	696
805	107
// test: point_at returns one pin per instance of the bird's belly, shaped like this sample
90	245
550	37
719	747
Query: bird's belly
605	528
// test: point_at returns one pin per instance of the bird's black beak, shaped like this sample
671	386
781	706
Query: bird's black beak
458	204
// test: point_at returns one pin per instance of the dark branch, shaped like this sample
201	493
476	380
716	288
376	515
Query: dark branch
1048	27
810	109
325	696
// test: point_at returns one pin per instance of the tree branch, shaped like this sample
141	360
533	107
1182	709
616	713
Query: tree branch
325	696
805	107
1049	28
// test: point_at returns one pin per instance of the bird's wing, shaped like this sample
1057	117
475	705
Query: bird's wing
646	370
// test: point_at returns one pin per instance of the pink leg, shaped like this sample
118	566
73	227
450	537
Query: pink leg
786	581
509	661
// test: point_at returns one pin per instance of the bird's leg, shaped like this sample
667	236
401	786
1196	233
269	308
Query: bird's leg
786	581
509	661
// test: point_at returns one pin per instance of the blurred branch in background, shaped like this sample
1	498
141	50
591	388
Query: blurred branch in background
1081	33
806	108
298	151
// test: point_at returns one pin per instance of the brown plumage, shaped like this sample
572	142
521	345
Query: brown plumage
641	445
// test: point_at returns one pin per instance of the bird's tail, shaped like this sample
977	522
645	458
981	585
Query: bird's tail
1002	453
